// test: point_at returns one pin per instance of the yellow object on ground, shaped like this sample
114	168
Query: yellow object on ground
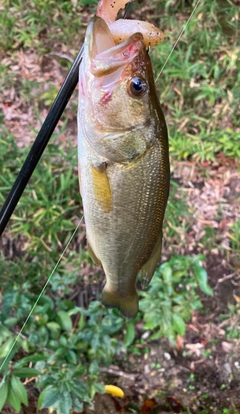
116	391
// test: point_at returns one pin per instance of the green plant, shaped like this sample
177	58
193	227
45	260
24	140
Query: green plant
52	203
199	82
12	390
63	346
65	351
46	213
172	296
30	22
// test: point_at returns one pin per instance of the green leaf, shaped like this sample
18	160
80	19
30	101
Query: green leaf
99	388
74	311
65	404
130	334
13	400
94	367
79	389
206	289
80	370
10	321
4	333
167	273
19	390
149	324
6	347
92	391
81	322
77	405
201	276
4	387
71	357
54	328
156	335
29	358
179	324
26	372
63	340
25	345
64	320
48	397
53	357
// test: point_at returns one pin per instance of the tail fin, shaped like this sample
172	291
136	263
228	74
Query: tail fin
127	305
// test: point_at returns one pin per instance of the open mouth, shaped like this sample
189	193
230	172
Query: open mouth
108	61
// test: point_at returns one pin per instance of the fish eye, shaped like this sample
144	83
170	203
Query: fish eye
137	86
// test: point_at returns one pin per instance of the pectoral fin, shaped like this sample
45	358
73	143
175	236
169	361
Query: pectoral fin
148	269
93	256
101	187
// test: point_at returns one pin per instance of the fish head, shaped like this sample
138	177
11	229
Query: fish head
116	86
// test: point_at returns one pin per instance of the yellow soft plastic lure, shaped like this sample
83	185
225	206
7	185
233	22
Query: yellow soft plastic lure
114	390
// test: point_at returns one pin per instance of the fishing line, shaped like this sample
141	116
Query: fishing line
41	293
182	31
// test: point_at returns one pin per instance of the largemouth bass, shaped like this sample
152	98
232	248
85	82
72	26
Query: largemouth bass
123	162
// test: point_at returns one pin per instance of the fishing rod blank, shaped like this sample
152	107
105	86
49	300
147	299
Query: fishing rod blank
40	142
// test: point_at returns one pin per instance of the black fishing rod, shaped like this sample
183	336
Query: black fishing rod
40	142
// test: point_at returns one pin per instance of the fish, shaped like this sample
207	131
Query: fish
123	162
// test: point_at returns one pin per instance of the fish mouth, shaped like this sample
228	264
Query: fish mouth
107	60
